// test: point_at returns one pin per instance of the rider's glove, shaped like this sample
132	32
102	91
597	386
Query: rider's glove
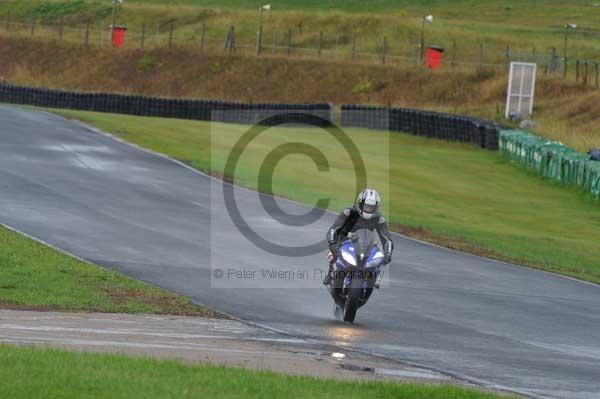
387	258
333	248
331	258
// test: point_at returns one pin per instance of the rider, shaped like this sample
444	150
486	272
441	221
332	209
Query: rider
363	215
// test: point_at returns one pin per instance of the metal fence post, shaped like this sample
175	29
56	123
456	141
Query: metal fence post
202	33
481	54
230	41
554	63
585	72
383	50
354	45
143	38
273	40
577	71
233	47
507	57
33	27
227	39
453	61
258	40
320	44
86	36
289	43
337	41
596	70
101	33
259	34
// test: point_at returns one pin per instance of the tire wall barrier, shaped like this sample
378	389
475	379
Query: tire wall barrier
438	125
207	110
551	159
479	132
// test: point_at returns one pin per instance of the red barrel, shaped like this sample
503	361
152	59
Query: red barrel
435	55
118	36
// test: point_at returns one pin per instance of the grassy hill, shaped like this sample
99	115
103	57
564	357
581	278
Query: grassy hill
473	81
469	30
566	111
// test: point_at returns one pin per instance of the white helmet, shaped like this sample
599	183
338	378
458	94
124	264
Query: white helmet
368	203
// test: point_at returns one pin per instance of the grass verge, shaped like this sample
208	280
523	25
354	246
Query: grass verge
447	193
62	374
35	276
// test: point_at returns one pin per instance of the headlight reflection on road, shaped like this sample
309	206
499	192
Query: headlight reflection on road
344	335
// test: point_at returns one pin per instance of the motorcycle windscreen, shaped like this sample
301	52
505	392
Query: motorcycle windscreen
364	240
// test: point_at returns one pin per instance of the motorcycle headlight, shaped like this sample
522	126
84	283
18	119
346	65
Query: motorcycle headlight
376	261
348	258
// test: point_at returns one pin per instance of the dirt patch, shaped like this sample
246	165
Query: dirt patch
13	306
449	242
168	304
174	308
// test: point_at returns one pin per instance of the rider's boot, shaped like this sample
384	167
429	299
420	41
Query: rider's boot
327	279
330	261
338	312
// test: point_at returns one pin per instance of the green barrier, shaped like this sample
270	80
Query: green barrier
551	159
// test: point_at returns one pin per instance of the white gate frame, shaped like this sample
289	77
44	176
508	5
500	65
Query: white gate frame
520	94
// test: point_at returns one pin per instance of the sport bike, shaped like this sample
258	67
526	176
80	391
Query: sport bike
358	265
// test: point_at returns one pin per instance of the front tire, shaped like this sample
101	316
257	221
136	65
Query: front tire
352	299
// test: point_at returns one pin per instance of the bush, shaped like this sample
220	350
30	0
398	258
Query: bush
363	87
145	63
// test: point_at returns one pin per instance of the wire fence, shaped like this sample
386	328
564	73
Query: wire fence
278	43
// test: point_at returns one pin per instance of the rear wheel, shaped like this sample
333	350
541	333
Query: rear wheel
352	300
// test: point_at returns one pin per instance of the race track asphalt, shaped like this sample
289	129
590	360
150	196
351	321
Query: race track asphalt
105	201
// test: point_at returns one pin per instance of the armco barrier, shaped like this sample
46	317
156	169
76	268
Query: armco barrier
423	123
551	159
215	110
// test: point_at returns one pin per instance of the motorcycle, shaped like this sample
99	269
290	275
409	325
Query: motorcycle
358	265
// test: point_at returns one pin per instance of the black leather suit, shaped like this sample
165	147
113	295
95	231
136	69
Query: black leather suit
350	220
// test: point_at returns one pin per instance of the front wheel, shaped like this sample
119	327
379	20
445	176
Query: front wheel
353	298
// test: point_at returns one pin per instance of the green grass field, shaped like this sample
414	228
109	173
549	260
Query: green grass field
447	193
34	276
57	374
